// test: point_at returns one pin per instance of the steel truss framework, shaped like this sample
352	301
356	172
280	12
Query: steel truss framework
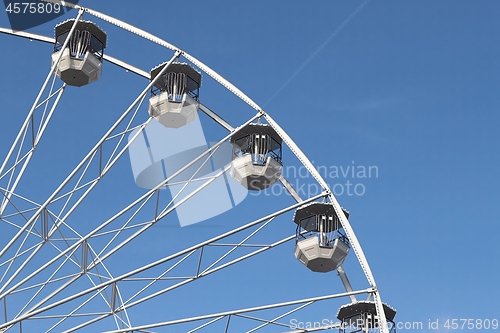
44	230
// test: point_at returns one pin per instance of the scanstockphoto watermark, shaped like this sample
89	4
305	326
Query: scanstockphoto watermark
353	325
443	324
343	180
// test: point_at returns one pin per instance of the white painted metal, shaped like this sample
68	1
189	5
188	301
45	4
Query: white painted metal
82	163
28	35
356	246
183	253
10	189
89	68
255	176
300	155
321	258
29	119
173	114
42	208
121	64
216	118
51	40
345	282
290	188
350	233
146	196
144	34
241	311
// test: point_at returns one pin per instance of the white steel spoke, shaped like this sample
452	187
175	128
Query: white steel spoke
166	260
43	283
274	320
30	122
16	256
345	281
84	161
207	324
40	210
241	311
70	279
138	201
237	246
52	282
25	159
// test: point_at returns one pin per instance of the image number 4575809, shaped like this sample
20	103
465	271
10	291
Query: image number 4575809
29	14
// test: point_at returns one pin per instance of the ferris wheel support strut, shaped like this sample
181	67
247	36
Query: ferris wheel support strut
349	231
11	189
29	119
82	163
129	305
44	86
92	233
236	312
159	216
155	264
44	206
345	281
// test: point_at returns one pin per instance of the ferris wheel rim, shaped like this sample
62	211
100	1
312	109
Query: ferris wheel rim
229	86
157	40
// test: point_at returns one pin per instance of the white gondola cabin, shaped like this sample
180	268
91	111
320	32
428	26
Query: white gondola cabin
174	96
361	317
320	243
256	156
81	60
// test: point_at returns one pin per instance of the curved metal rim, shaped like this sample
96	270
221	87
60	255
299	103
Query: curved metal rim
286	138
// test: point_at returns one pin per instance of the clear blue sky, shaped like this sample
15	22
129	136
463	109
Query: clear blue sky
410	88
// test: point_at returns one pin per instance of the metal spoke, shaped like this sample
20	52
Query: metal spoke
47	256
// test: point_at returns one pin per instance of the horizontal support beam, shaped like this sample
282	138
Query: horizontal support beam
51	40
236	312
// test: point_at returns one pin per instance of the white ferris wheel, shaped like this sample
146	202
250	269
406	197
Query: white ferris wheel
80	253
